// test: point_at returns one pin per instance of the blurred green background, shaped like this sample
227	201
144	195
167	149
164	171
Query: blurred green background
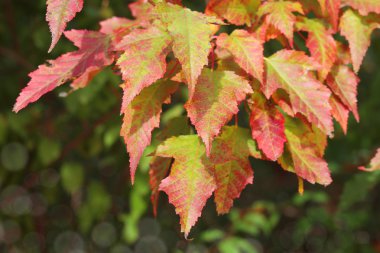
64	178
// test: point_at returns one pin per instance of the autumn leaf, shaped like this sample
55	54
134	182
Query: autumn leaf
330	10
364	6
191	182
143	60
209	113
267	126
304	157
59	13
374	164
280	15
231	166
321	44
237	12
357	30
94	54
289	70
158	169
159	166
246	49
191	34
340	112
343	82
141	117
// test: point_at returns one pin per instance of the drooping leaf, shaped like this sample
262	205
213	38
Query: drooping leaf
330	10
280	15
191	182
374	164
143	60
140	8
364	6
267	126
59	13
237	12
303	155
231	166
158	170
191	34
321	44
357	30
339	111
247	51
208	113
140	118
343	82
159	166
289	70
94	54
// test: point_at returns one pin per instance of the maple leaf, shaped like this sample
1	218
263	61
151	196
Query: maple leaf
159	166
59	13
247	51
364	6
374	164
94	54
238	12
343	82
321	44
191	182
143	60
357	30
191	35
232	169
209	113
267	126
330	10
280	15
304	157
289	70
340	112
158	169
140	118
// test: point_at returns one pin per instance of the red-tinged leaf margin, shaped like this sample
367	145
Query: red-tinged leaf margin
374	164
210	113
94	54
191	181
59	13
141	117
231	167
267	126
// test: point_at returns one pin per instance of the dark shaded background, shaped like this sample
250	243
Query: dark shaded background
64	179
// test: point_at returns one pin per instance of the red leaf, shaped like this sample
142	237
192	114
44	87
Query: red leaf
209	113
248	51
238	12
343	82
357	30
321	44
142	61
141	117
340	112
267	125
191	182
364	6
94	53
289	70
231	166
374	164
59	13
280	15
305	155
